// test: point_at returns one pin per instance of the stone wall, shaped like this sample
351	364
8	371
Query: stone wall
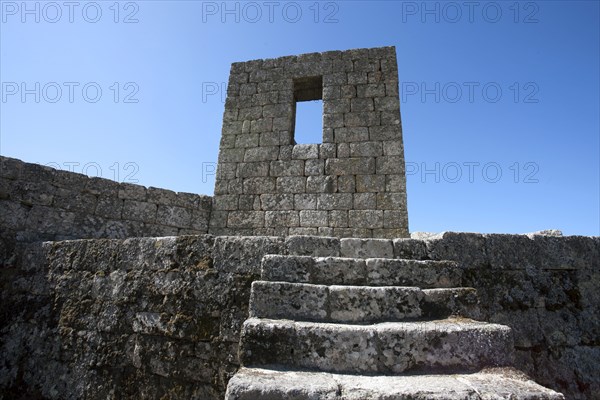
41	203
145	317
140	318
546	288
350	185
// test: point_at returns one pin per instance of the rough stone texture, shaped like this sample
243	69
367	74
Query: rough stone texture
371	271
370	331
545	288
306	302
391	347
41	203
358	304
358	169
140	318
62	354
256	383
161	318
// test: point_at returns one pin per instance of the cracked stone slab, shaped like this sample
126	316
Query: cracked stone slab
317	270
391	347
364	304
289	300
357	304
445	302
255	383
354	271
366	248
443	345
420	273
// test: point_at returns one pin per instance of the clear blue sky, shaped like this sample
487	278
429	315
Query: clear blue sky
490	88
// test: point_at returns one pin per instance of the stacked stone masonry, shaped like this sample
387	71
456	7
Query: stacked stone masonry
148	318
42	203
316	320
350	185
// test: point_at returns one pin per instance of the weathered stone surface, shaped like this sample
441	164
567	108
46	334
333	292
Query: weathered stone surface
252	383
313	246
287	168
314	218
320	270
370	183
366	248
46	204
365	218
174	216
292	184
403	346
277	202
123	312
282	219
305	201
246	170
365	201
424	274
314	167
550	311
440	303
288	300
244	254
320	184
305	151
542	305
361	304
350	166
326	347
378	272
89	317
361	136
334	201
246	219
410	248
266	153
259	185
466	247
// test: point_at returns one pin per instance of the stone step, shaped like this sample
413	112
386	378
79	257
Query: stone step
453	344
358	304
364	272
263	384
439	303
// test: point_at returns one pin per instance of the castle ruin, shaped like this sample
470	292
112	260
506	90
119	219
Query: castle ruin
297	279
351	185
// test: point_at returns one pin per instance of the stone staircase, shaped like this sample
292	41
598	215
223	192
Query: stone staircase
374	328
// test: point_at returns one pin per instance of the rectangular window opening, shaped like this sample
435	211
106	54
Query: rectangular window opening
308	113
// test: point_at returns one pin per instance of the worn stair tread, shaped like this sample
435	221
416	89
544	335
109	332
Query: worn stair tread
367	272
463	301
265	384
357	304
386	347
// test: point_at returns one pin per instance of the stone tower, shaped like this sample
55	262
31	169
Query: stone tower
352	184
